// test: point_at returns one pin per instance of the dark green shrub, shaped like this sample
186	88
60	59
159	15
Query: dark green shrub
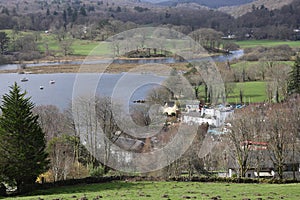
97	171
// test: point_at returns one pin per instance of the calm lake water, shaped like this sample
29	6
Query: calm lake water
61	92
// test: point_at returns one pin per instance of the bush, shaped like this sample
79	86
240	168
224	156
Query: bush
30	55
231	46
97	171
278	53
250	57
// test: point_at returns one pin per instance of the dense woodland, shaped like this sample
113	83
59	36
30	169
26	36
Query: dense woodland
109	18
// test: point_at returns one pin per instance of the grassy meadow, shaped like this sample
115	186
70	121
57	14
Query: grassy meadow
79	47
266	43
253	92
168	190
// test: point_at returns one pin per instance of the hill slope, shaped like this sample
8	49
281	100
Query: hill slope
238	11
208	3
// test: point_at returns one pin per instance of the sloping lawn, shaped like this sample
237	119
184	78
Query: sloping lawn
169	190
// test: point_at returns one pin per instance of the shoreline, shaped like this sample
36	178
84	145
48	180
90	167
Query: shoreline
78	58
101	68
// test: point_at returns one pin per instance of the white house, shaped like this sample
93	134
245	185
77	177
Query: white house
170	108
191	105
195	118
212	116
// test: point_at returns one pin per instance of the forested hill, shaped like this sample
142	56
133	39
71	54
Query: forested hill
241	10
100	19
208	3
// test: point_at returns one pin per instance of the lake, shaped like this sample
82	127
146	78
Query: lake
61	92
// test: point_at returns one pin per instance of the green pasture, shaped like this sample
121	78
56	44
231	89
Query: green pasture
168	190
253	92
79	47
266	43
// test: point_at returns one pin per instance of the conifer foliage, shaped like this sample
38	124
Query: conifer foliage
22	141
294	78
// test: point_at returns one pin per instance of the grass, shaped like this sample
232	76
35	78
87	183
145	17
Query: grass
85	47
169	190
266	43
252	92
80	47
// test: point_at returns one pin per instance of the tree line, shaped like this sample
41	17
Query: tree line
106	18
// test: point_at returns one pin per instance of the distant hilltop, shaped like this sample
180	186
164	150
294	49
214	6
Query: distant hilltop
240	10
207	3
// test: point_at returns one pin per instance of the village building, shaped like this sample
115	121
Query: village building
214	116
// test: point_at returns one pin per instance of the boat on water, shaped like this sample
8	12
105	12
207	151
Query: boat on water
24	79
41	87
52	81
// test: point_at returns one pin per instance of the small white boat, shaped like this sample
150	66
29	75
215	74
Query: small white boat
24	79
41	87
52	81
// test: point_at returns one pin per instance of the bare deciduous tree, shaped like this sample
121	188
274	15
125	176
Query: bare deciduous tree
277	81
159	95
66	46
52	121
107	123
61	153
282	135
242	131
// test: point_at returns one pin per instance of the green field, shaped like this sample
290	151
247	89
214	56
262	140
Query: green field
169	190
80	47
252	92
267	43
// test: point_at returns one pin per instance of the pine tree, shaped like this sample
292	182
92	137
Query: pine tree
294	78
22	141
4	40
